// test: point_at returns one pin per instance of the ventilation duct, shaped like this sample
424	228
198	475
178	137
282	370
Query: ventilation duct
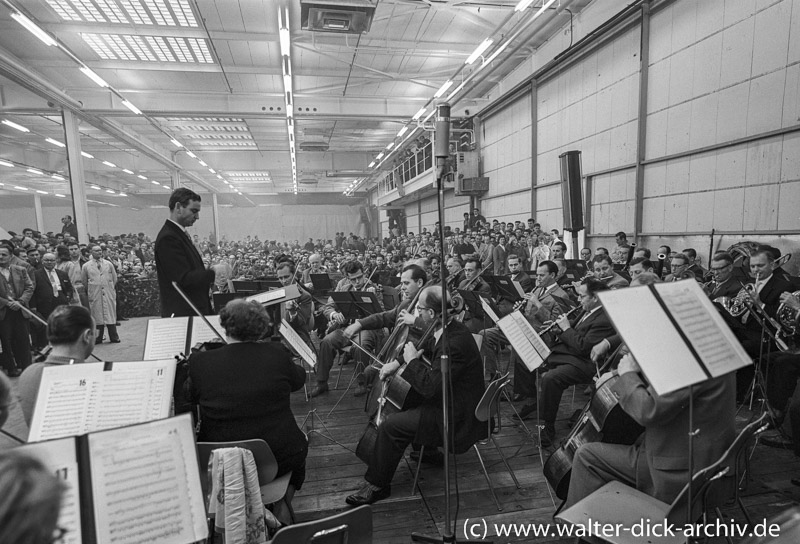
340	16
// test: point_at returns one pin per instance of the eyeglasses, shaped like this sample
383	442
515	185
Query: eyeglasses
720	268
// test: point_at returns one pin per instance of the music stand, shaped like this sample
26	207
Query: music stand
576	269
503	287
391	297
221	299
322	283
472	300
243	285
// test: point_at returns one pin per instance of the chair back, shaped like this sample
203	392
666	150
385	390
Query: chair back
349	527
266	464
703	478
489	405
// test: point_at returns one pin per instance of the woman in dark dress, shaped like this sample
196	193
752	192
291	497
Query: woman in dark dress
243	390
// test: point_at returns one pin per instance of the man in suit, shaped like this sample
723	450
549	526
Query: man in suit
298	313
569	362
178	260
16	290
517	274
53	288
499	257
423	424
69	227
658	464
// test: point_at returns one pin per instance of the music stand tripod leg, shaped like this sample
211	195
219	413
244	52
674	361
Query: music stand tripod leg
311	416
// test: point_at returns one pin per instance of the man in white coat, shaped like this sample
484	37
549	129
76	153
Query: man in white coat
100	280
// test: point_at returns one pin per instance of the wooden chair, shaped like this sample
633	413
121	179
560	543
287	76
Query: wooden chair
273	490
617	503
487	410
349	527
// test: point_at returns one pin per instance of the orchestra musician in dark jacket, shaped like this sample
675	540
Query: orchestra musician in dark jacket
423	425
52	289
178	260
243	389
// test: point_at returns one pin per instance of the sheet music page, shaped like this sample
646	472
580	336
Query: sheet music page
653	340
165	338
146	484
267	296
61	458
518	339
297	343
78	399
488	310
706	330
530	333
201	332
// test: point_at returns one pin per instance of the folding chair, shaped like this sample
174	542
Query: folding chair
349	527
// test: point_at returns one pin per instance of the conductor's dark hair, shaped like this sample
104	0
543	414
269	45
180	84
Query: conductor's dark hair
66	324
417	272
182	196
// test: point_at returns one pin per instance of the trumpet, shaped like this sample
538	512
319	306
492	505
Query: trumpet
554	323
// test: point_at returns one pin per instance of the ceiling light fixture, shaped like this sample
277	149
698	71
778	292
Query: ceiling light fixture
41	192
55	142
93	76
20	188
176	143
87	155
14	125
192	155
371	164
402	131
443	88
59	178
479	51
110	191
59	195
127	171
5	163
202	163
110	164
34	29
285	44
141	177
154	182
131	107
35	171
419	114
95	187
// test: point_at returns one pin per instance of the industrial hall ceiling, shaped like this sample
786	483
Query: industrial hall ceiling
258	101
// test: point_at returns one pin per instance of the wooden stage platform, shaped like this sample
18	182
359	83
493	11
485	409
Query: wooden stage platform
335	472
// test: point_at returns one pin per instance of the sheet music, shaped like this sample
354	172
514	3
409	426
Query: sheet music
146	484
60	456
488	310
165	338
298	344
267	296
78	399
201	332
530	333
520	342
698	318
662	354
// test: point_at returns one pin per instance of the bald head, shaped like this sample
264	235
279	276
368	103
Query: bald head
49	261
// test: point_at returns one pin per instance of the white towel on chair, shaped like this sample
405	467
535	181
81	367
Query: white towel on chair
236	496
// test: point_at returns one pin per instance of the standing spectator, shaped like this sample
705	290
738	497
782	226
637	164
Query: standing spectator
100	280
499	256
178	260
69	227
53	288
16	290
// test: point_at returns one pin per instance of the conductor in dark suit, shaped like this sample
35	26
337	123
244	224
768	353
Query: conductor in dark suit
243	390
569	362
423	425
178	260
53	288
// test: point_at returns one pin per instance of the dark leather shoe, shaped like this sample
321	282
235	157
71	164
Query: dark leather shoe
548	437
360	391
431	457
527	412
318	390
115	341
366	495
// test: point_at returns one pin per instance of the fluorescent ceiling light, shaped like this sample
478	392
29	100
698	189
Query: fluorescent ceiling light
5	163
87	155
212	170
479	51
155	182
443	88
127	171
20	188
380	156
192	155
371	164
202	163
59	195
59	178
456	90
93	76
285	41
131	107
176	143
12	124
141	177
418	114
166	187
402	131
523	4
391	145
122	194
35	171
110	191
55	142
41	192
111	164
220	177
95	187
33	28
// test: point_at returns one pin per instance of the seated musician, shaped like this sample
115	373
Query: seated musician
548	301
473	282
314	267
243	391
603	268
71	332
679	265
569	362
639	265
517	274
298	313
694	268
335	340
455	272
658	463
423	425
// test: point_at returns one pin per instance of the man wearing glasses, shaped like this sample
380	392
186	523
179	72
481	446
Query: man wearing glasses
335	340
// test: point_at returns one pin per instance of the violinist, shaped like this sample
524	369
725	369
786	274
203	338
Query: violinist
423	425
455	273
658	464
517	274
335	340
473	282
298	313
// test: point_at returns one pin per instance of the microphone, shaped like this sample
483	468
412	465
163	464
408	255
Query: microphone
441	148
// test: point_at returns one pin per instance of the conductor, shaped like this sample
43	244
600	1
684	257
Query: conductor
178	260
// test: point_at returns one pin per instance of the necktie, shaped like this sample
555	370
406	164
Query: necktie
54	282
